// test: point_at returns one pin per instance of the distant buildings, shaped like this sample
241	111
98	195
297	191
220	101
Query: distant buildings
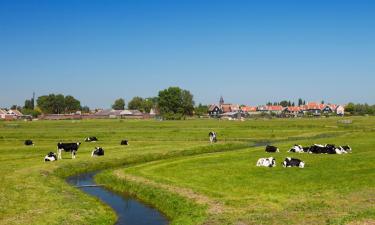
12	114
234	111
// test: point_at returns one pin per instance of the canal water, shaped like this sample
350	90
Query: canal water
130	211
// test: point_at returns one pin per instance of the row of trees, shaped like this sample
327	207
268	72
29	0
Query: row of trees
172	103
360	109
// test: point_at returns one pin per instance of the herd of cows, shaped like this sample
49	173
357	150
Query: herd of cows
264	162
293	162
73	148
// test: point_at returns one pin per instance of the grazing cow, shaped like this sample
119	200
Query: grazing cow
212	136
124	142
68	147
270	148
266	162
291	162
91	139
296	148
50	157
29	142
98	151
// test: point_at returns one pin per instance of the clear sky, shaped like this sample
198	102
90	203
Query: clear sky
249	52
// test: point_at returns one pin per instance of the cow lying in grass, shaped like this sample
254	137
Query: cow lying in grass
328	149
291	162
29	142
212	136
91	139
299	149
98	151
50	157
124	142
270	148
266	162
321	149
68	147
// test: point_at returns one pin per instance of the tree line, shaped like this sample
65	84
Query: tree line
359	109
172	103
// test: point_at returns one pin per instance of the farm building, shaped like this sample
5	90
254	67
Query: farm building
214	110
2	114
11	114
277	109
293	111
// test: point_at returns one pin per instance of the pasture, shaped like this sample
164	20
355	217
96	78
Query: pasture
172	165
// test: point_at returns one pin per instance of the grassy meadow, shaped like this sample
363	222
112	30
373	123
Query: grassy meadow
171	165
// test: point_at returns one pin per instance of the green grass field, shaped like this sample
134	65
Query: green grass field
171	165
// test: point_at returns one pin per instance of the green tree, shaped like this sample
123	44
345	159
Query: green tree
175	103
28	104
58	104
137	103
119	104
284	103
201	110
85	109
350	108
300	102
71	104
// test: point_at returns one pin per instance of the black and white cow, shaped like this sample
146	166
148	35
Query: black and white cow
124	142
29	142
292	162
212	136
50	157
68	147
91	139
296	148
306	149
317	149
266	162
270	148
327	149
347	148
98	151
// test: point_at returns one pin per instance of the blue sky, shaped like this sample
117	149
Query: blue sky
249	52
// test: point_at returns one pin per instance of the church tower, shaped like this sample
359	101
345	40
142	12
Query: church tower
221	102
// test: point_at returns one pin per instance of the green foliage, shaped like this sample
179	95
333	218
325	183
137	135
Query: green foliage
360	109
58	104
85	109
143	105
28	104
175	103
201	110
32	112
119	104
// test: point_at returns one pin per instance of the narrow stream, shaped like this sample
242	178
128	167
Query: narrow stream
129	211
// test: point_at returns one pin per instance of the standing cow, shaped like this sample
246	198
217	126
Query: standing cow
68	147
212	136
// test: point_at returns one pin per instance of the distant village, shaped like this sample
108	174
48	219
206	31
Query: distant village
220	110
235	111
